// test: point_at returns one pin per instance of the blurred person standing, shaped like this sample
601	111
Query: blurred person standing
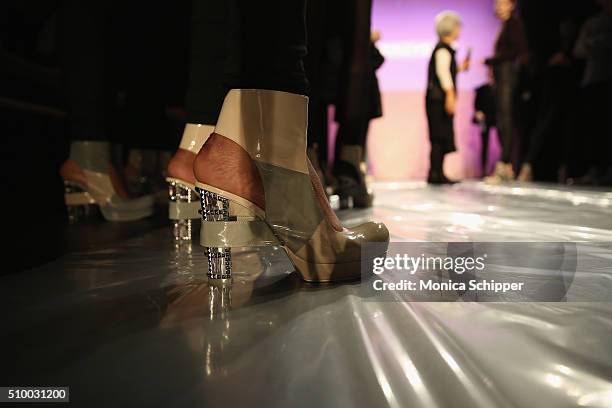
441	95
351	142
485	115
323	63
555	78
594	44
510	52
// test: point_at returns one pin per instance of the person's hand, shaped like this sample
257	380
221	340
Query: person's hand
450	102
480	116
465	65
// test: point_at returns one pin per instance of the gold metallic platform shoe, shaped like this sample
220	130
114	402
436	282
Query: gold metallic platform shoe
271	127
90	183
184	206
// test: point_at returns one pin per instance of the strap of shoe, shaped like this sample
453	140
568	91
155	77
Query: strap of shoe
240	233
184	211
194	136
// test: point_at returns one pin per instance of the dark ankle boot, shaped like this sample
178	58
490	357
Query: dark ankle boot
350	176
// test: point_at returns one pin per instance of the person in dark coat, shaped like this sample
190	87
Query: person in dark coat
440	100
371	103
510	53
353	117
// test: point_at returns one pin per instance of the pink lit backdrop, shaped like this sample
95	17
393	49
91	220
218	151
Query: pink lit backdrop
398	143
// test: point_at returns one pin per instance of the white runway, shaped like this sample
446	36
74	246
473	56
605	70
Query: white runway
138	325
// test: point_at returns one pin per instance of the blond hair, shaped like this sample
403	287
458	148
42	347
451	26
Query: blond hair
446	22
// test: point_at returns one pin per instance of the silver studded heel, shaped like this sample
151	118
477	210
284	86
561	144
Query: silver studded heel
183	209
80	205
229	221
214	209
184	201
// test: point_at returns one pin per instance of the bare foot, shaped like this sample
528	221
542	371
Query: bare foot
223	164
181	166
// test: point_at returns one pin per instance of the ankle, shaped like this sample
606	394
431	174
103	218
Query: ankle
71	171
181	166
223	164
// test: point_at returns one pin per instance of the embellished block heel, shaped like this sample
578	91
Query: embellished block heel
183	210
80	205
215	208
229	221
184	207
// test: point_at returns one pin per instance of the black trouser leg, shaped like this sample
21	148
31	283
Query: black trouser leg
548	116
541	131
599	125
436	161
506	85
267	45
209	42
317	127
484	154
354	132
239	44
83	32
363	135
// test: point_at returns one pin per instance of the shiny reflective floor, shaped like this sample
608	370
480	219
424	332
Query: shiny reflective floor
138	325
